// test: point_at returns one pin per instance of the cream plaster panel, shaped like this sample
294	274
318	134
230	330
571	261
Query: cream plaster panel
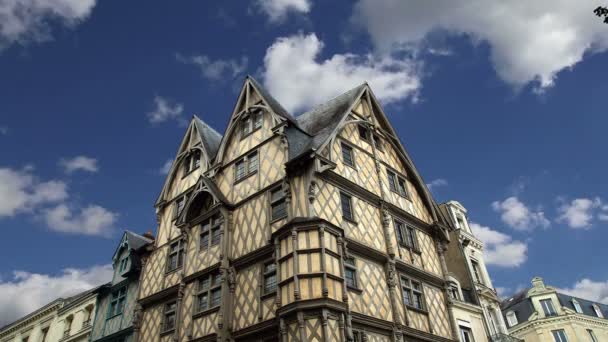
374	300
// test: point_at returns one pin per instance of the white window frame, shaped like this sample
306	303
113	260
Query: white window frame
577	306
511	319
547	306
598	311
559	338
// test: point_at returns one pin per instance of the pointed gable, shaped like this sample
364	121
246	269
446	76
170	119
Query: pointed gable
209	137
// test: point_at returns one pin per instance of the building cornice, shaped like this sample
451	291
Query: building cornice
22	322
556	319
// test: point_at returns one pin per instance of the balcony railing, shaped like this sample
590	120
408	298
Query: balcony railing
504	338
86	324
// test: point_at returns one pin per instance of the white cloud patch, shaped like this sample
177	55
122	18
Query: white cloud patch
518	216
22	21
216	69
580	212
277	10
82	163
295	74
437	183
42	289
529	41
20	191
90	220
166	167
164	110
596	291
499	248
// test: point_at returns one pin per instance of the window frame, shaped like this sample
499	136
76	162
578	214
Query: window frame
122	265
477	272
407	285
349	198
192	162
179	252
548	308
406	235
266	274
454	291
397	183
209	227
598	311
466	330
251	122
246	162
166	313
511	319
592	335
281	200
117	297
577	306
557	337
350	264
214	285
182	198
346	149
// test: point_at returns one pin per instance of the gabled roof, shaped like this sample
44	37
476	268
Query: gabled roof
271	101
135	242
210	137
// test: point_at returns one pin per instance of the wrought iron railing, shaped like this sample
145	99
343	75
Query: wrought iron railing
504	338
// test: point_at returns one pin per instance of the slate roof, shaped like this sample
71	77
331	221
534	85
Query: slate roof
271	101
522	306
137	241
210	137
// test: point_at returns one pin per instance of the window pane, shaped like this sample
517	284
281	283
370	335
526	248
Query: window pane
417	300
363	133
347	155
216	297
402	188
270	283
246	126
411	237
392	181
240	169
204	284
547	307
350	261
197	159
406	297
216	238
205	240
170	321
253	162
217	279
378	142
258	120
349	277
276	194
279	210
203	302
271	267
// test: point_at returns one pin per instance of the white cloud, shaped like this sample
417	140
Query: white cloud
42	289
166	167
518	216
20	191
596	291
216	69
164	111
579	213
499	248
529	41
437	183
277	10
22	21
91	220
294	73
83	163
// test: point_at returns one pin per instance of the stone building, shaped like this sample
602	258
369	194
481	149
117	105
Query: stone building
315	228
543	314
117	300
475	302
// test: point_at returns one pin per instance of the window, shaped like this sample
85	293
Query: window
209	293
350	272
559	335
592	335
246	166
176	256
597	310
396	184
67	326
169	316
270	277
278	204
347	155
180	203
460	222
511	318
251	123
363	133
412	293
466	335
347	206
477	272
44	333
547	305
406	235
123	264
359	336
117	303
211	232
192	162
453	291
378	143
25	339
577	306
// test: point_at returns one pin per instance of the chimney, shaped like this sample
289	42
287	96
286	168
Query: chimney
148	235
538	283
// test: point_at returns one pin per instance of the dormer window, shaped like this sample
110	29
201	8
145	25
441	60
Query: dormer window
577	306
192	162
548	309
511	318
251	123
122	267
598	311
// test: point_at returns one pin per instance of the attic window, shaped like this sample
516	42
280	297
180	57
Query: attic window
577	306
251	123
597	310
192	162
511	318
363	133
123	264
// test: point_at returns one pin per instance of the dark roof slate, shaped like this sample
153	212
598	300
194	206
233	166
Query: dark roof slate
210	137
271	101
137	241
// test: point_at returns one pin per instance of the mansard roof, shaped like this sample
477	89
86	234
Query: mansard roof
210	137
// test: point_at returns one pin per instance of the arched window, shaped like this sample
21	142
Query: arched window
67	326
511	318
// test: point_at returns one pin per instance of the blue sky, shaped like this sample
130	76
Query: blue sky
503	112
